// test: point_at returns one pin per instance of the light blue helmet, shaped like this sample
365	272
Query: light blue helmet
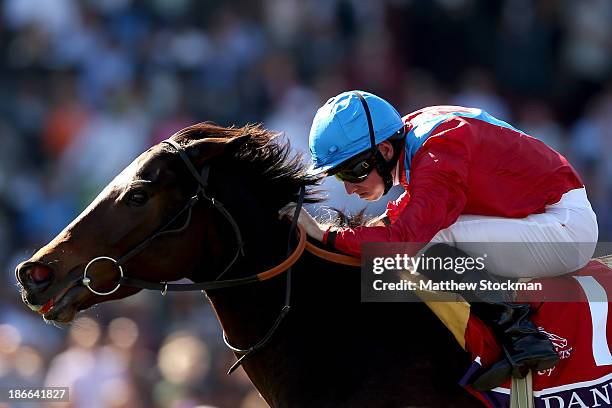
340	128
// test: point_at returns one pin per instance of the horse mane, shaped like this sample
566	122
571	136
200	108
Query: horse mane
265	154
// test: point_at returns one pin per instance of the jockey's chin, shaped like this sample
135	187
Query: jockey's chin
371	196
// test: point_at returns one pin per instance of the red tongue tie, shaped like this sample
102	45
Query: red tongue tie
40	273
46	307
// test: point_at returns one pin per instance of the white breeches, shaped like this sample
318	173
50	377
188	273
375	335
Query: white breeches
559	241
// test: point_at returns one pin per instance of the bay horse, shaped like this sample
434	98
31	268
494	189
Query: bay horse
330	350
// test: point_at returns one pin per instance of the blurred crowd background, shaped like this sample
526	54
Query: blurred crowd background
87	85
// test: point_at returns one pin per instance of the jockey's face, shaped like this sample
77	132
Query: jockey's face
373	187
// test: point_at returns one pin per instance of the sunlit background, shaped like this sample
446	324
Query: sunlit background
85	86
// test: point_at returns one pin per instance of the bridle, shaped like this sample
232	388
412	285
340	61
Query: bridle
165	287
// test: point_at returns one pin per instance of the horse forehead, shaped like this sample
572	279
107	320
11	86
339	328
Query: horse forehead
128	174
135	170
148	163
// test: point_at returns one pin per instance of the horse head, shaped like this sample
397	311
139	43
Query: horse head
149	224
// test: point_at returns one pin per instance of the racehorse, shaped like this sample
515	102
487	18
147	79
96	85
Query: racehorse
204	206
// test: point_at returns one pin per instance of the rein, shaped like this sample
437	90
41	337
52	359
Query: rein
332	256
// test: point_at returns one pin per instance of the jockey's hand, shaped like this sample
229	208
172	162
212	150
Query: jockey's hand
310	225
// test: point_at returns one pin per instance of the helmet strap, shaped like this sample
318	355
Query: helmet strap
382	165
384	169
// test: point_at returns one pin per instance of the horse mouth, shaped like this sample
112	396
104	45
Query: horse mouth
62	307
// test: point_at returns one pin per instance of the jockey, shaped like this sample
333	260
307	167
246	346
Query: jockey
468	177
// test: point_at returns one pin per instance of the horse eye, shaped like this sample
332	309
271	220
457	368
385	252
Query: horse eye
137	197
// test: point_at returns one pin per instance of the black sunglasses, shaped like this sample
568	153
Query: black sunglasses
357	170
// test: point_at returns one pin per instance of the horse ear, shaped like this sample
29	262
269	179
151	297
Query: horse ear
204	149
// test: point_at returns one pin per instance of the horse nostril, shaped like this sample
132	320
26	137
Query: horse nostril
37	273
40	273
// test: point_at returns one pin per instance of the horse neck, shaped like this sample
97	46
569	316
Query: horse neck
246	313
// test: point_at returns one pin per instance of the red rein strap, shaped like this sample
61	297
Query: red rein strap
299	250
287	263
332	256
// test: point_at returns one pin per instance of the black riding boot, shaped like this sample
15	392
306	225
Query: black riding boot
524	346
